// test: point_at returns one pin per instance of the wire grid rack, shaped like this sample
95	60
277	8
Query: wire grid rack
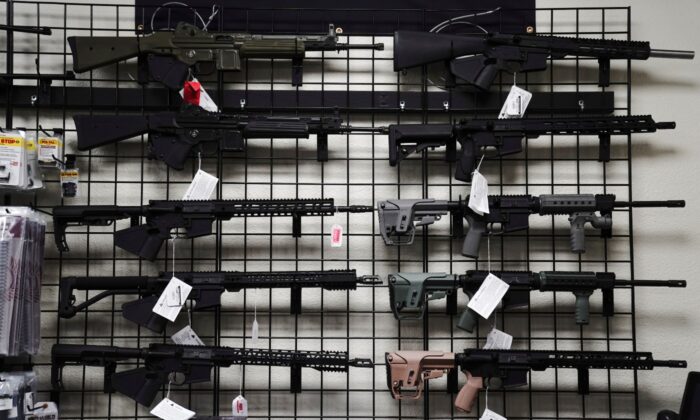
356	173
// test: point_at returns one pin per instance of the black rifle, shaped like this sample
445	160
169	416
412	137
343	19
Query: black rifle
489	54
398	218
409	292
505	136
162	361
408	370
690	409
174	137
207	288
196	217
168	56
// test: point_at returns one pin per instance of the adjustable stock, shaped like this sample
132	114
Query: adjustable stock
406	139
111	286
408	371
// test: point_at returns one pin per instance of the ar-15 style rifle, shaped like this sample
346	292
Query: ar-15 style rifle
196	217
408	370
398	218
409	292
174	137
478	58
170	55
506	136
207	288
163	361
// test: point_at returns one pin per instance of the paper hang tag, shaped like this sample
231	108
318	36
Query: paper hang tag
50	150
201	187
28	401
255	329
498	340
45	410
239	407
172	299
516	103
187	336
70	181
479	194
194	93
488	296
491	415
170	410
336	236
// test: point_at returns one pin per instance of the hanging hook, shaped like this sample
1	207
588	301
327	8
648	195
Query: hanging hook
44	131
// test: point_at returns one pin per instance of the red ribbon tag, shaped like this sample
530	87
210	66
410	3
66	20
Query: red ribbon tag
192	92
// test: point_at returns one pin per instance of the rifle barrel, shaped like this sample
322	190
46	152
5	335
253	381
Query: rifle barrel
652	283
684	55
666	125
41	30
671	363
343	47
661	203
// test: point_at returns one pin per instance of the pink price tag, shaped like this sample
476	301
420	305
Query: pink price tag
336	236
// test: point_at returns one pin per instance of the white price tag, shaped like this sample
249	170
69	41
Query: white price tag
479	194
491	415
336	236
172	299
239	407
50	150
498	340
169	410
516	103
488	296
201	187
28	401
187	336
43	411
5	403
206	102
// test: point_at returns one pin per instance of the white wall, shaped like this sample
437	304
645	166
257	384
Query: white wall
666	246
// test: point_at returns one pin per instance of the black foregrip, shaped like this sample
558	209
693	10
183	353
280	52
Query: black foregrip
98	130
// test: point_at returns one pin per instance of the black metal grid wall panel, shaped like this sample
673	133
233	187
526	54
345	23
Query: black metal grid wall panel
356	173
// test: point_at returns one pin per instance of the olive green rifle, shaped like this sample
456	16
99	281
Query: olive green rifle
170	55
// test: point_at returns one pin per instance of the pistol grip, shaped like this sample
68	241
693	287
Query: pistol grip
472	242
469	393
467	321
